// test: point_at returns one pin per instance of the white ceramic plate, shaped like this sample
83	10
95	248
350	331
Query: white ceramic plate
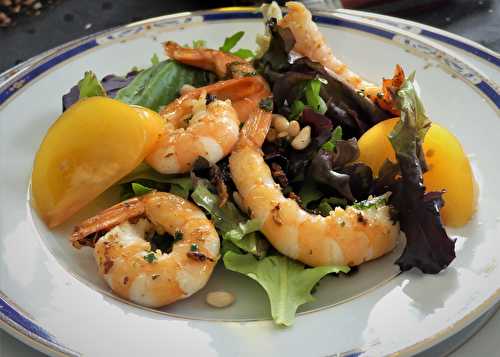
486	60
53	299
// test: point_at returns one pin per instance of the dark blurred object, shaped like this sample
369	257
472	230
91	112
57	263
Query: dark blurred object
66	20
392	6
10	10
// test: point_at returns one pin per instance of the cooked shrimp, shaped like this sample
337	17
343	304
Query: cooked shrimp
127	262
311	43
345	237
211	132
225	65
245	95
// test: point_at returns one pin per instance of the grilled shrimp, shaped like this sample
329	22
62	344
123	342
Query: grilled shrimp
128	262
345	237
225	65
211	132
311	43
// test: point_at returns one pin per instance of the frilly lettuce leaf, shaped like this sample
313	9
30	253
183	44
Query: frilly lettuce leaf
228	220
90	86
428	246
287	283
144	177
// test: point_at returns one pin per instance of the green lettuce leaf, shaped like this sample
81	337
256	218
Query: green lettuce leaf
145	176
287	283
90	86
309	192
332	142
139	189
160	84
408	134
231	41
228	220
313	98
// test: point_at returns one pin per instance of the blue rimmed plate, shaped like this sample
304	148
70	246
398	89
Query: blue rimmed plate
53	299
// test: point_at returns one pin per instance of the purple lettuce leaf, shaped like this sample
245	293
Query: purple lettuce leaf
428	246
111	83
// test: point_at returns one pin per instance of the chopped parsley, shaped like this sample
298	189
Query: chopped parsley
150	257
178	236
194	247
374	202
266	104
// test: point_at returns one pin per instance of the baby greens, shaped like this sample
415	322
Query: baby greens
288	284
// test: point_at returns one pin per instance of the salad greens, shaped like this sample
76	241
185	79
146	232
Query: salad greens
160	84
144	177
326	174
288	284
231	41
231	224
89	86
152	87
428	246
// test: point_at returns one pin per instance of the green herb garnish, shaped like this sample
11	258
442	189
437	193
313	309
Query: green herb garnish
150	257
266	104
313	98
332	142
297	109
178	236
374	202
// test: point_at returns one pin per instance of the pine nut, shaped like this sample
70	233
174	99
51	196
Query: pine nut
271	135
280	123
219	299
303	139
186	88
294	128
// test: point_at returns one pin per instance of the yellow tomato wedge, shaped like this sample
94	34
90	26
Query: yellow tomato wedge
449	167
92	145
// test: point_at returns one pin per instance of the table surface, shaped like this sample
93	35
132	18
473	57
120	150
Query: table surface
478	20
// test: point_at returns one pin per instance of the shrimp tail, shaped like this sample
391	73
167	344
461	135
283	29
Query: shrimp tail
204	58
107	219
255	129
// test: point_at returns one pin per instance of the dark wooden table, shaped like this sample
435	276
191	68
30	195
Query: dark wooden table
478	20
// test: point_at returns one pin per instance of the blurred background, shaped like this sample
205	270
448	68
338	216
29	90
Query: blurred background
28	27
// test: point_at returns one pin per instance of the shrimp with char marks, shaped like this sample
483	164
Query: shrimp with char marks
346	237
311	43
245	88
125	257
194	129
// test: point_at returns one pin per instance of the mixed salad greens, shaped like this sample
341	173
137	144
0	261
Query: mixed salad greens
324	176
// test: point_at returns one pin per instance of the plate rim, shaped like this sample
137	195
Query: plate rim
474	48
47	345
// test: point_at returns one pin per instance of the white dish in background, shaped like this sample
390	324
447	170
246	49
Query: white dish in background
373	313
